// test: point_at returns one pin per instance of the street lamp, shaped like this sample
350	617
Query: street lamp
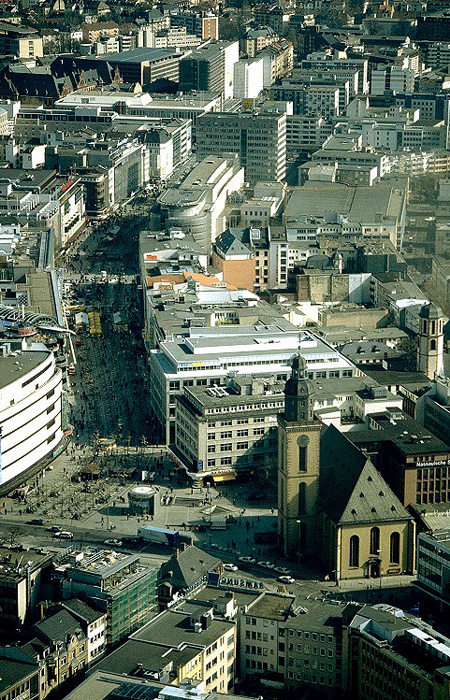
379	570
299	537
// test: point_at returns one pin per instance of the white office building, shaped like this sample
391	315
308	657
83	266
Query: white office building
210	356
248	77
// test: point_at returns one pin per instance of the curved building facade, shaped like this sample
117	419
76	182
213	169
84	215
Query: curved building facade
30	410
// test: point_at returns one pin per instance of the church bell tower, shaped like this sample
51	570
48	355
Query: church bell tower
430	341
298	465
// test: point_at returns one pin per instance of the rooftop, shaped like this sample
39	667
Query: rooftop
403	432
139	55
360	204
272	606
173	628
16	665
19	364
136	656
100	685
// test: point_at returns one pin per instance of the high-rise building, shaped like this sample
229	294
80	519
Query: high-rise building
210	67
259	139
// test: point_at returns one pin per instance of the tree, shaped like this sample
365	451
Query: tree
10	535
231	29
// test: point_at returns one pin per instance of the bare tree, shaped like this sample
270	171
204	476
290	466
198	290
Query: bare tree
10	535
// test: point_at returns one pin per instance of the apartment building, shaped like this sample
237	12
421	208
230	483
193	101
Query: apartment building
22	42
60	646
437	54
93	623
297	641
196	626
273	16
278	61
305	132
392	79
320	100
23	679
21	587
431	106
206	356
257	39
98	30
258	138
173	36
204	25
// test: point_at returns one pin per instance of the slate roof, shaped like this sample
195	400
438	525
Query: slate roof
37	81
229	244
188	566
319	262
352	490
83	610
15	665
74	66
34	647
57	626
431	310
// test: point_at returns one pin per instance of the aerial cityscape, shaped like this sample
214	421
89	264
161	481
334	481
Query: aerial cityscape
225	350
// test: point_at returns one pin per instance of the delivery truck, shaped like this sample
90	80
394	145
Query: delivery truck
160	535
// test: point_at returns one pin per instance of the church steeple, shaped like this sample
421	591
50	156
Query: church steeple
298	464
298	402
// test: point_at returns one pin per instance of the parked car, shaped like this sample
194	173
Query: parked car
230	567
248	560
35	521
113	543
64	535
54	528
286	579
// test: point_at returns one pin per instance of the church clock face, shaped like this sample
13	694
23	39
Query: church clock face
303	441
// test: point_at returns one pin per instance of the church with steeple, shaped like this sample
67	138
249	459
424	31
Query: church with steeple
298	464
333	504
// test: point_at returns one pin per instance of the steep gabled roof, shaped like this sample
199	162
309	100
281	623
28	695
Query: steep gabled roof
186	567
352	490
57	627
229	243
15	665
